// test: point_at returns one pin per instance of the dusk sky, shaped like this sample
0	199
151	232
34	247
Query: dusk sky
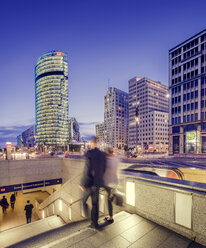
105	40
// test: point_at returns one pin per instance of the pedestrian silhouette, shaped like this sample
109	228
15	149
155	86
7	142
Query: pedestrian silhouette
12	200
28	209
92	179
4	204
111	181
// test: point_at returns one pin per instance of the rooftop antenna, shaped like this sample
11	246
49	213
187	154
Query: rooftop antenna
108	83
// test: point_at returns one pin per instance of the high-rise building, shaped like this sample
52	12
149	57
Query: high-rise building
19	141
187	84
51	95
29	137
100	132
116	118
74	133
148	110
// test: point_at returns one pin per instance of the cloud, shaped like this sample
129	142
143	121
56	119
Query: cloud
87	129
9	133
88	123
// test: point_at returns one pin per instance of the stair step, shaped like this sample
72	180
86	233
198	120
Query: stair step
17	234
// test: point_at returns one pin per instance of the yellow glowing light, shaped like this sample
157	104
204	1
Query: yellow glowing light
70	213
137	119
60	205
130	193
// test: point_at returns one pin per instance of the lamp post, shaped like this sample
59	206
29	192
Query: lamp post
137	121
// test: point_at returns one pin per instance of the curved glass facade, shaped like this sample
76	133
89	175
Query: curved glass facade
51	99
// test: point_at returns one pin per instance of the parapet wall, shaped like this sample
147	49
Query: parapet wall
174	205
25	171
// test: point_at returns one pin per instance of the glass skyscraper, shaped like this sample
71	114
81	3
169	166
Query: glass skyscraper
51	99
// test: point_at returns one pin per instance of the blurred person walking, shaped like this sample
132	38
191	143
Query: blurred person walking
4	204
28	208
92	180
12	200
111	181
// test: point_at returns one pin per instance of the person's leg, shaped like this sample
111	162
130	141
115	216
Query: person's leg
95	206
27	219
110	198
85	196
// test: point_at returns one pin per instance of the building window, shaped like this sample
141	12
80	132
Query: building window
184	118
202	103
184	108
196	105
192	106
188	118
184	86
192	117
202	92
184	97
188	107
196	116
173	91
196	82
192	95
196	94
202	115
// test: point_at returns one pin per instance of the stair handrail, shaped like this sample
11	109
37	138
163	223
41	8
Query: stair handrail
69	204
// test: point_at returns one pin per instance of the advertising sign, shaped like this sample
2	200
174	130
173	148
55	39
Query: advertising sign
191	137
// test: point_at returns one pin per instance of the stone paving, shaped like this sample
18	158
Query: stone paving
128	230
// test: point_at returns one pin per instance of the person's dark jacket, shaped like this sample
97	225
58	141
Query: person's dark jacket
4	203
28	209
12	198
94	169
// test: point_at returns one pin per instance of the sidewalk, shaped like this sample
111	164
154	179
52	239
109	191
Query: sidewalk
16	217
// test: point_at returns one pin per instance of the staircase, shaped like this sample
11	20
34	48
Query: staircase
128	230
17	234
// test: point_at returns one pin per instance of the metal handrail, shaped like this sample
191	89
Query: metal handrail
60	198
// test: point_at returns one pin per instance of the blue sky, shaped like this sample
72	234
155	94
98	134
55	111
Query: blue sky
105	40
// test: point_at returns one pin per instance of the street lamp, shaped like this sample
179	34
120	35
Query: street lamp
137	120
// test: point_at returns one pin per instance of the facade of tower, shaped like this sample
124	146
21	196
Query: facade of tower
148	115
116	118
100	132
74	133
187	85
51	99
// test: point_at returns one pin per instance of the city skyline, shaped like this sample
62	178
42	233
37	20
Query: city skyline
108	43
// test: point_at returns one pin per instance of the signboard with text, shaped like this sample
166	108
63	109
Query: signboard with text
31	185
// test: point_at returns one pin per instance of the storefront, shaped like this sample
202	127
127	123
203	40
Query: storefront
192	142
